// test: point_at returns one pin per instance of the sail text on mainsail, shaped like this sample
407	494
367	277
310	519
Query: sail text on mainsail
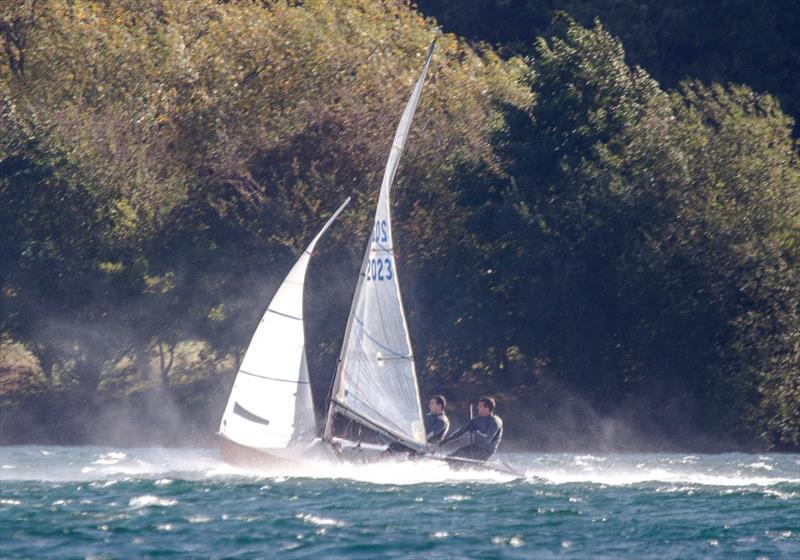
375	383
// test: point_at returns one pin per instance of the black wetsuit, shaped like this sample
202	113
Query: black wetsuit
487	431
436	426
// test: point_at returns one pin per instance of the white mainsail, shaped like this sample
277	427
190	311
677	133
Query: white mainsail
375	382
270	405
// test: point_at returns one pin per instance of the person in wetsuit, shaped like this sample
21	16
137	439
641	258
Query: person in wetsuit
486	430
436	422
436	426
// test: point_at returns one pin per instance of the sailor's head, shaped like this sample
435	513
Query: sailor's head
486	406
436	404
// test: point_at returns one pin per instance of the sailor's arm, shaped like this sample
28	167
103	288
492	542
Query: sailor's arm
468	427
485	438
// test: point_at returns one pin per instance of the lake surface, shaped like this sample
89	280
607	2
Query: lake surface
91	502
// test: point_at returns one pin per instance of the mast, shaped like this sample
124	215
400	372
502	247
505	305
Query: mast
384	199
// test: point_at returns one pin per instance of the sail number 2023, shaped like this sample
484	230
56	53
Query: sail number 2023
379	269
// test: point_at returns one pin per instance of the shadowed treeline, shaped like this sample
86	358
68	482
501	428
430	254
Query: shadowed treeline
616	262
735	41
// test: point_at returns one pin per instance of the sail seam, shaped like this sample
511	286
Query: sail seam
376	341
284	315
382	248
273	378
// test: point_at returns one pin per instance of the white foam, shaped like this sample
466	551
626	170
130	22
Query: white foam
399	472
670	473
513	542
111	458
622	478
390	471
103	484
76	464
148	500
456	498
643	473
320	521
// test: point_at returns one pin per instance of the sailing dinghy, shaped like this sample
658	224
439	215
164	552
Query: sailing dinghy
269	417
374	402
374	389
374	399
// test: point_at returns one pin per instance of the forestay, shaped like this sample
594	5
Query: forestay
375	381
270	405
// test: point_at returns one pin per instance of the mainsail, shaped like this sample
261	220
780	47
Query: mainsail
270	404
375	382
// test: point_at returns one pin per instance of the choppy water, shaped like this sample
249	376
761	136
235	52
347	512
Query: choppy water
89	502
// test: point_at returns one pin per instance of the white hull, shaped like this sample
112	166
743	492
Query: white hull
269	458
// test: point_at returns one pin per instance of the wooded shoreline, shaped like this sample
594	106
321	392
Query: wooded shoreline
611	250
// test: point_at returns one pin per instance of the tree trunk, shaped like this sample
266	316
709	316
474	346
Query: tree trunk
166	361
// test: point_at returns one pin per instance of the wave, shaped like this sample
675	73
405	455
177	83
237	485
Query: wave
729	470
106	466
151	501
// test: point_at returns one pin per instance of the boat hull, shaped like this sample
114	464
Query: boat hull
248	457
294	459
294	456
354	452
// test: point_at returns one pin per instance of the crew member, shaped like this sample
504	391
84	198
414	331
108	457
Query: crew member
436	426
486	430
436	422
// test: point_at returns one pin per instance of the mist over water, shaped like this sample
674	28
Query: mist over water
119	502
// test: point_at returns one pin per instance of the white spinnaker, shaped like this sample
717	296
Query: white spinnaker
270	405
376	380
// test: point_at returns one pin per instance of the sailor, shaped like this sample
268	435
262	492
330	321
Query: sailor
486	432
436	422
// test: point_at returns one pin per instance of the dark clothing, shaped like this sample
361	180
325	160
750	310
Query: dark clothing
436	426
487	431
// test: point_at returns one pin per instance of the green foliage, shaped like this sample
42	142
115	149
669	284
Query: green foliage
649	245
741	222
164	157
569	231
737	41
